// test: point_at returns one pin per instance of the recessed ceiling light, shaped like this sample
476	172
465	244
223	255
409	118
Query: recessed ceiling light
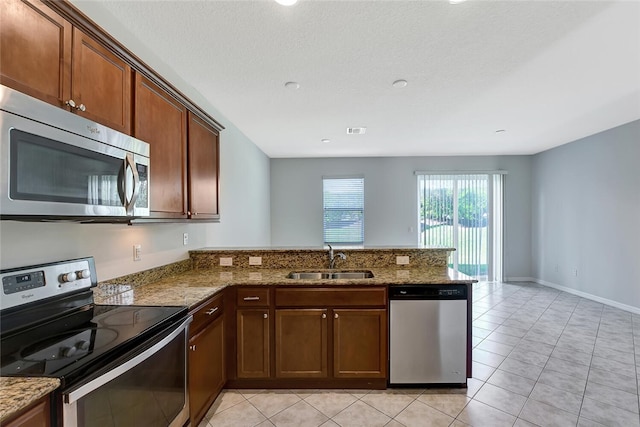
399	83
450	1
292	85
287	2
325	140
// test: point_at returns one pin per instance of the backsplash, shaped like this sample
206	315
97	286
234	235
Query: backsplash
319	258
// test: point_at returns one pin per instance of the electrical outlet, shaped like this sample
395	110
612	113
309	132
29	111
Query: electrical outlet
575	272
137	252
226	262
402	260
255	260
185	239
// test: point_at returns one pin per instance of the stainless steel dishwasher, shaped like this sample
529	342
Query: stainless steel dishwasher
428	335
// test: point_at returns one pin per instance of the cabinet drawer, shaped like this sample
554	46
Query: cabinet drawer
207	312
253	297
331	296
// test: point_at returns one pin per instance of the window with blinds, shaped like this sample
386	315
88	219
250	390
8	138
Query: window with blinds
343	204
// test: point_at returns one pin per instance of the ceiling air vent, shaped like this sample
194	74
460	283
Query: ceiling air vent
356	131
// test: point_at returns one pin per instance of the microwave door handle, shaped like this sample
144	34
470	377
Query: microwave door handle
122	193
131	165
123	189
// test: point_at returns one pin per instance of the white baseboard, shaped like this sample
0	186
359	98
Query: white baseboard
596	298
520	279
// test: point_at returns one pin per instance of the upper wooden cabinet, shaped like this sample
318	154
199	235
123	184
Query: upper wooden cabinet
161	121
51	51
44	56
100	84
204	168
35	51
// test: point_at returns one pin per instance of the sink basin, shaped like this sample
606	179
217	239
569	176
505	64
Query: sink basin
318	275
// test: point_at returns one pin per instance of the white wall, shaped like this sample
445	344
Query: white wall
586	216
244	201
391	200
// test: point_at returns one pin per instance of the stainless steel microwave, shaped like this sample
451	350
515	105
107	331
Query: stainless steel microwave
58	165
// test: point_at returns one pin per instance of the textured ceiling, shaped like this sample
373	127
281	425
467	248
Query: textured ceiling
545	72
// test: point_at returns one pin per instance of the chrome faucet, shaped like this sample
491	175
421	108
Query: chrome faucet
332	258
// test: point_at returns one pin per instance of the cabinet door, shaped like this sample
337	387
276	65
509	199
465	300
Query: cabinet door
253	343
360	343
35	50
206	369
100	83
204	150
161	121
38	415
301	343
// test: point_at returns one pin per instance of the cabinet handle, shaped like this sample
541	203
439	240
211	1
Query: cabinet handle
211	311
192	347
251	298
324	315
71	103
335	315
265	315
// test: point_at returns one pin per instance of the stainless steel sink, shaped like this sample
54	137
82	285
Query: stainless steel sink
324	275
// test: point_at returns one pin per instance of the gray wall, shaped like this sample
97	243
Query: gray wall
586	215
391	209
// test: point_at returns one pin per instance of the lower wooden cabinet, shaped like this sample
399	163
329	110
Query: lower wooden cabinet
359	343
253	343
301	343
207	369
318	337
37	415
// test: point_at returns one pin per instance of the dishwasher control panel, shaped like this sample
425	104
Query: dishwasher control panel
428	292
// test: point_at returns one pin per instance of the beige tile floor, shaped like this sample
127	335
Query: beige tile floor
541	357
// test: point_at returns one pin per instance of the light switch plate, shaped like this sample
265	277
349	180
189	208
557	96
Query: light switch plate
226	262
402	260
255	260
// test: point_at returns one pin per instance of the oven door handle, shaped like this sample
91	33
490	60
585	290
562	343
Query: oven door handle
121	369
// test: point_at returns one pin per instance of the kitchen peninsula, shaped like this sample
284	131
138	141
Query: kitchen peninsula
256	327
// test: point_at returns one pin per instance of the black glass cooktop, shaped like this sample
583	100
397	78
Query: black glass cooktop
93	335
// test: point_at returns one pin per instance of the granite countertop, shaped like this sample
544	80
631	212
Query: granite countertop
192	287
19	393
189	282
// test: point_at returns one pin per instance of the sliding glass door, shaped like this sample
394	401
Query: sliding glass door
464	211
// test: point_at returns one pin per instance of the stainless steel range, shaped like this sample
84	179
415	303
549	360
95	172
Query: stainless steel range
118	365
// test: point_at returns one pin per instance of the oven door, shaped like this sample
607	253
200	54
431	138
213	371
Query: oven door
142	388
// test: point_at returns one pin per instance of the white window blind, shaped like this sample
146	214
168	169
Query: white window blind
343	203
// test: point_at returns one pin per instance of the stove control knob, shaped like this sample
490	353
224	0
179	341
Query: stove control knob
68	351
68	277
82	345
83	274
